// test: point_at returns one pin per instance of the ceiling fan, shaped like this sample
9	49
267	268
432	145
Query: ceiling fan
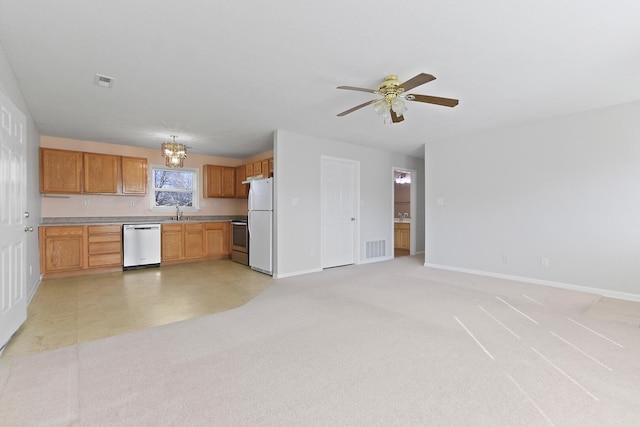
392	103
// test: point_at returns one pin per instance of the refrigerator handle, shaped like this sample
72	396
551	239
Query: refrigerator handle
249	223
249	198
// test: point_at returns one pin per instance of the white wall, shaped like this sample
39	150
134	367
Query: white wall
9	86
297	176
566	189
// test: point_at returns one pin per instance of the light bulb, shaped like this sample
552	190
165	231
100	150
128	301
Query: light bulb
398	106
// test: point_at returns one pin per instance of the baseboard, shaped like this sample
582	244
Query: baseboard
372	260
34	290
598	291
296	273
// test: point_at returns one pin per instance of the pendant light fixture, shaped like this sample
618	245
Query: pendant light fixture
174	153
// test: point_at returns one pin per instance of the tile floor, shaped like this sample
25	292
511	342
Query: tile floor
78	309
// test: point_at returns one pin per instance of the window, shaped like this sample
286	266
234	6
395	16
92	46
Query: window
173	187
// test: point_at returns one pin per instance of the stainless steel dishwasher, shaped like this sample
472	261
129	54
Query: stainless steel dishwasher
141	245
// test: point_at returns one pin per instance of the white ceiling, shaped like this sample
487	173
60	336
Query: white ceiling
223	75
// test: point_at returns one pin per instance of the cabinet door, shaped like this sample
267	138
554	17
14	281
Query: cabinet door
265	168
193	241
228	181
249	170
60	171
212	181
242	190
217	236
405	239
134	175
171	242
100	173
63	248
219	181
257	168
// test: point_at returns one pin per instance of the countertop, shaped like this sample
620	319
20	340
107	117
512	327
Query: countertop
138	219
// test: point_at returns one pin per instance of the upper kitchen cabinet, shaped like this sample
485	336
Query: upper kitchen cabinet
134	175
60	171
242	190
219	181
100	173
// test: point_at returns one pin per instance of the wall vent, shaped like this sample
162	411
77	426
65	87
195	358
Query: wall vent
104	81
376	248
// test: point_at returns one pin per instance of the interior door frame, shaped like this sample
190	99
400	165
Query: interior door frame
413	195
356	206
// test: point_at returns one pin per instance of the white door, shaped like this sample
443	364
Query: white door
13	301
339	190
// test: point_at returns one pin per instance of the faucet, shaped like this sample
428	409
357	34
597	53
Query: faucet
178	213
400	216
405	215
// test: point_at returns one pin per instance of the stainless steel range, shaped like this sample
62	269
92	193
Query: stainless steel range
239	242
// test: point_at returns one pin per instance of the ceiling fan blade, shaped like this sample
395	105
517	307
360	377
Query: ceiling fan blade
447	102
361	89
357	107
396	118
418	80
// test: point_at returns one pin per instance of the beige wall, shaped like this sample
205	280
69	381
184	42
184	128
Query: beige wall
87	205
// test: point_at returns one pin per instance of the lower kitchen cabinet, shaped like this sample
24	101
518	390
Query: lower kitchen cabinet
217	238
61	249
85	249
193	241
172	248
188	242
104	246
78	249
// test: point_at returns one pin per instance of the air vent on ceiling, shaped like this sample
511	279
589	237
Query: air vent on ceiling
104	81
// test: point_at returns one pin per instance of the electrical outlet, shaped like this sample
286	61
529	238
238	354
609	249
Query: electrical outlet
544	262
132	203
505	259
87	202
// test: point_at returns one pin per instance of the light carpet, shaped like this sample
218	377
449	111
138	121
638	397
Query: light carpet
384	344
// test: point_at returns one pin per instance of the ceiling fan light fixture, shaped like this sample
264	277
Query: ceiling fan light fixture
394	96
382	107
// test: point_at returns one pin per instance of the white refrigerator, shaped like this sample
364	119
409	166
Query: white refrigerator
260	225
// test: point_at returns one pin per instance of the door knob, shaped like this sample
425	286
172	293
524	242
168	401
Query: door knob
26	214
353	219
28	229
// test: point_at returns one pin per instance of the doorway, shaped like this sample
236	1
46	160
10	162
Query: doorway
404	209
339	211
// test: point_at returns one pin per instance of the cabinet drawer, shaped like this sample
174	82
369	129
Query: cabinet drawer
172	227
105	248
63	231
193	227
101	229
215	225
105	260
97	238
